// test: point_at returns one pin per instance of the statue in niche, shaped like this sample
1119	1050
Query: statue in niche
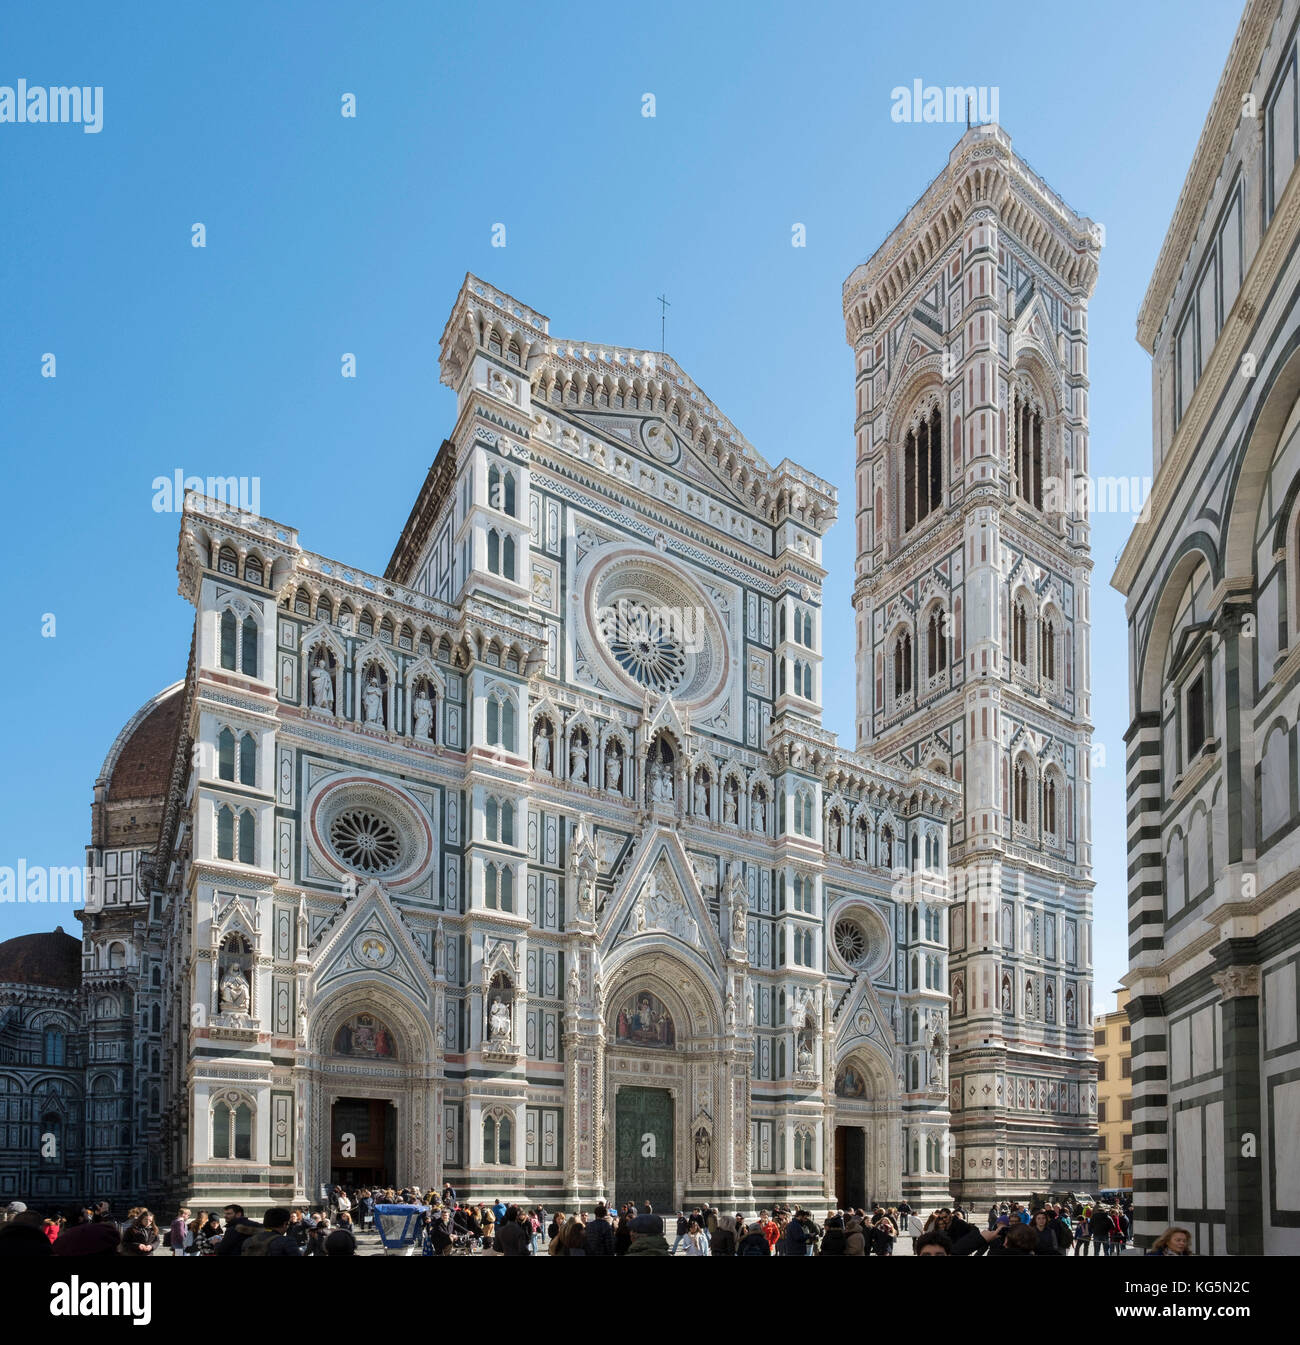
302	1021
738	916
499	1020
578	760
638	914
700	802
731	1012
614	770
575	985
804	1059
322	687
729	805
760	813
542	750
235	996
703	1149
423	711
372	702
1006	997
749	1007
859	843
959	997
835	837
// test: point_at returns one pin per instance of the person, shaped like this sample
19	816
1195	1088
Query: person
833	1239
753	1241
883	1234
575	1238
179	1233
23	1234
1082	1230
365	1209
623	1230
316	1239
683	1227
796	1236
499	1209
1100	1223
91	1236
933	1243
1117	1234
513	1235
52	1228
1172	1242
272	1239
600	1233
724	1239
648	1239
238	1231
1010	1239
142	1236
1048	1234
855	1244
696	1245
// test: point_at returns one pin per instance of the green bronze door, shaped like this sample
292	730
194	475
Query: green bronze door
643	1148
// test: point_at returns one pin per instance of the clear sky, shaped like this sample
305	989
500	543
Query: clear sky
328	235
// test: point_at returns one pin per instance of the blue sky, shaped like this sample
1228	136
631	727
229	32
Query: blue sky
327	235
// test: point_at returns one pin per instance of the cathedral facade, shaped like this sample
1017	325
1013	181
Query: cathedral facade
528	864
969	333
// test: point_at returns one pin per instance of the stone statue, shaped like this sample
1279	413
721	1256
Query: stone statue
760	814
835	838
859	843
749	1006
302	1022
805	1057
700	801
322	687
542	751
639	914
499	1018
729	806
372	703
234	992
731	1012
614	771
575	985
738	916
302	925
703	1150
1006	997
423	710
578	761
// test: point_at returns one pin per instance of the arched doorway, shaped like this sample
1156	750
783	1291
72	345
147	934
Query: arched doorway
668	1122
371	1093
867	1133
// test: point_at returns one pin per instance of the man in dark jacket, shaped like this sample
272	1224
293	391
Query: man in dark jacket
796	1236
238	1231
513	1237
1100	1226
682	1225
1008	1240
600	1233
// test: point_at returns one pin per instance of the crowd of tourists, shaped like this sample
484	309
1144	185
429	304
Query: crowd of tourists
448	1225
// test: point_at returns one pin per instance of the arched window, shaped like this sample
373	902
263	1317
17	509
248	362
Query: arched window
246	825
501	721
1021	793
225	833
155	1020
922	469
499	821
936	643
253	571
248	760
1029	451
54	1047
232	1131
489	1139
501	554
501	489
499	887
229	635
903	664
1047	649
228	562
226	755
1049	806
1019	634
248	648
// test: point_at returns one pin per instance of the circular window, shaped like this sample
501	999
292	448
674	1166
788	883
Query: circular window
366	827
366	841
656	628
851	942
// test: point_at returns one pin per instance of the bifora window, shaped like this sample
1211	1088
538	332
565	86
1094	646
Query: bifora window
922	469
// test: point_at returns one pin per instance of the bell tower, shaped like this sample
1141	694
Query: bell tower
969	332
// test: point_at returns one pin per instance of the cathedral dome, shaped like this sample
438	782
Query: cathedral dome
52	959
138	765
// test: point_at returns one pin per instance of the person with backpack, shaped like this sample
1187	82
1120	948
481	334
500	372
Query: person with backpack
753	1241
272	1239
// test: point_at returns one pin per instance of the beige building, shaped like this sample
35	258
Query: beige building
1112	1045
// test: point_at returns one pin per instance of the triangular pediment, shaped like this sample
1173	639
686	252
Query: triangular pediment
860	1018
660	899
370	941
